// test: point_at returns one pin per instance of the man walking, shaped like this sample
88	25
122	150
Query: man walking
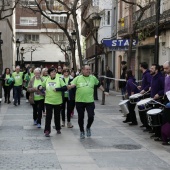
108	81
84	98
18	80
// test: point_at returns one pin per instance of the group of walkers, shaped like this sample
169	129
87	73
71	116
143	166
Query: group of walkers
152	99
49	90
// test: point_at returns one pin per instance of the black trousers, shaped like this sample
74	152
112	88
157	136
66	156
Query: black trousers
70	107
37	110
144	118
132	113
17	94
27	95
7	90
81	106
49	112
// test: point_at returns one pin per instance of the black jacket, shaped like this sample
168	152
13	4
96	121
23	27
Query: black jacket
3	79
122	84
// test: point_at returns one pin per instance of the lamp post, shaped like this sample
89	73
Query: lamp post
22	58
73	34
96	23
69	55
17	45
32	50
1	67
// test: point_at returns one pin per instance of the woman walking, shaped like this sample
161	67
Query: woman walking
68	98
53	100
36	97
7	85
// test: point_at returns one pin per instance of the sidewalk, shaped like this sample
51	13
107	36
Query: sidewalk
113	145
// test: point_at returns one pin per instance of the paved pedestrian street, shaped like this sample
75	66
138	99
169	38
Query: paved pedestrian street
113	145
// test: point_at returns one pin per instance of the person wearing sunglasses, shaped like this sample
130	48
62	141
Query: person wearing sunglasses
68	98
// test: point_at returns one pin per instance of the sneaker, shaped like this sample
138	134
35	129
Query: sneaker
26	101
69	125
88	131
35	122
82	135
58	132
47	133
39	126
63	124
15	104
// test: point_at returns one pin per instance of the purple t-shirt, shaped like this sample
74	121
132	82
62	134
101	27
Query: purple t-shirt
167	84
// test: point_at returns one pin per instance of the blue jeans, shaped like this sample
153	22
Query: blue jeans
17	94
107	86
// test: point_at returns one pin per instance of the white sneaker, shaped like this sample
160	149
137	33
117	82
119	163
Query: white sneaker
26	101
63	124
69	125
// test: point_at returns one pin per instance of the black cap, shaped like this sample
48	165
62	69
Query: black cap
51	69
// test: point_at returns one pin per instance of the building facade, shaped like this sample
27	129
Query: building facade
39	36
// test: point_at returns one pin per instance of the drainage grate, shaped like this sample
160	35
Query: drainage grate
127	146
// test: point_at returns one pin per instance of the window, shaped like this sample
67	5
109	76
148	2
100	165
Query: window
59	19
28	21
31	38
108	17
95	3
28	2
59	37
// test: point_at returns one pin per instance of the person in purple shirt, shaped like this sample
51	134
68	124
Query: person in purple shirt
157	93
131	88
146	78
165	130
146	82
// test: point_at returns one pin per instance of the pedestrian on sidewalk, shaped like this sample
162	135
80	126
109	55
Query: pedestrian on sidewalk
53	86
109	74
36	97
6	84
84	98
18	81
68	99
44	75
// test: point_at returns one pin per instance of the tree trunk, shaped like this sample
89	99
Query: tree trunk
1	68
78	38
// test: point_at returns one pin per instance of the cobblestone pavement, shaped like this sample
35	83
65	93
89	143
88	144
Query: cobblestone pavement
113	145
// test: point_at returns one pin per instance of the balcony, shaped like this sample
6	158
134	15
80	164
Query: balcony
123	27
149	16
90	52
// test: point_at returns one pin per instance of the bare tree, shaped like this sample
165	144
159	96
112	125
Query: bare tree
70	9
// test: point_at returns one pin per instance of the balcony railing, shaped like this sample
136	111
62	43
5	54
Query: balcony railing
123	25
149	17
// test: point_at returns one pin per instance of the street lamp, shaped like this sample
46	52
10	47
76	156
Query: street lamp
22	58
96	23
17	45
73	36
32	50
